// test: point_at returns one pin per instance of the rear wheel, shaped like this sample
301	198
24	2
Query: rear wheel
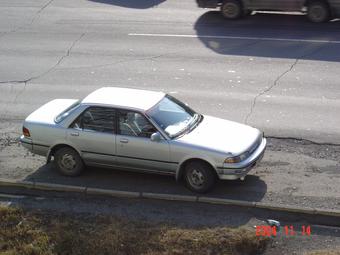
318	11
231	9
68	161
199	176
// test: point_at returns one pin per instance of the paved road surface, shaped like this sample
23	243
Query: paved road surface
276	72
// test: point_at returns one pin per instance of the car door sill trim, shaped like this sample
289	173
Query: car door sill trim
121	156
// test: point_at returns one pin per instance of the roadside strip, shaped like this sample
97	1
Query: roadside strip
42	186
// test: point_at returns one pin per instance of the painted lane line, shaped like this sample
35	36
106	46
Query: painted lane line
237	38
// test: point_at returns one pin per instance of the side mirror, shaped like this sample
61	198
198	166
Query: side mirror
156	137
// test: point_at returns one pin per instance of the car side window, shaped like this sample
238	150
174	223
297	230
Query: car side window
98	119
134	124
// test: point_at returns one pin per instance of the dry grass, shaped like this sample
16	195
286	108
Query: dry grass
42	233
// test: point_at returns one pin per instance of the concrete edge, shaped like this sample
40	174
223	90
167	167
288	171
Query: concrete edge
224	201
328	212
113	193
172	197
187	198
58	187
285	208
16	183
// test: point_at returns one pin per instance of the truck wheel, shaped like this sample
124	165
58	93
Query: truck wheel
231	9
318	11
199	177
68	162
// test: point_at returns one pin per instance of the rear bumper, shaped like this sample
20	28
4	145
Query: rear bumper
35	148
242	169
26	142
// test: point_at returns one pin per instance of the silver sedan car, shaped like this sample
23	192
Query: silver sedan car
143	131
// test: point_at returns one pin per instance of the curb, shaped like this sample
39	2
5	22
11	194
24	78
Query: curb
31	185
169	197
287	208
224	201
112	193
16	183
58	187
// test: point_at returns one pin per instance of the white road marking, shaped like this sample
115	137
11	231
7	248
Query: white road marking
238	38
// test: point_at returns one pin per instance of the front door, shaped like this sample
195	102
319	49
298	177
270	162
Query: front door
93	133
134	147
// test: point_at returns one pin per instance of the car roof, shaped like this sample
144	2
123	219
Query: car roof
124	97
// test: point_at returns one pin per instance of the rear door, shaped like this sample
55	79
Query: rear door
93	133
275	5
135	148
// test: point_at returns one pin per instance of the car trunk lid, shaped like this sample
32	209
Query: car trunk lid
46	114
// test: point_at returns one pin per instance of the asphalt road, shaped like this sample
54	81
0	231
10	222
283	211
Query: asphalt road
276	72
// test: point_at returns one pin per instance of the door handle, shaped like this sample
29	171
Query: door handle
75	134
124	140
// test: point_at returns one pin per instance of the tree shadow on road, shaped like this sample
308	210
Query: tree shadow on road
136	4
270	35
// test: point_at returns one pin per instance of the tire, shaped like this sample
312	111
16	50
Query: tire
68	162
318	12
247	13
199	176
231	9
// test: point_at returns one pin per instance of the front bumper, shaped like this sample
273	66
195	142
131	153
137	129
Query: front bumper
240	170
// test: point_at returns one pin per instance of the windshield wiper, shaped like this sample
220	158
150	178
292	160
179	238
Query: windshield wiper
188	127
196	121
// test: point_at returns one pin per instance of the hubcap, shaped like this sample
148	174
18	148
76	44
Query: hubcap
317	13
68	162
230	10
196	178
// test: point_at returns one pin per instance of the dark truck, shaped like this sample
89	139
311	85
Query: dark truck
317	10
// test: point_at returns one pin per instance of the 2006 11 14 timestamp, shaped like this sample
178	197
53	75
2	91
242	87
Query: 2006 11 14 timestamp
287	230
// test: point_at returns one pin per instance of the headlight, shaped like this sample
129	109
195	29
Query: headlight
236	159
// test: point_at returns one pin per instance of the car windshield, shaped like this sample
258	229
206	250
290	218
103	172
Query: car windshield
173	116
66	112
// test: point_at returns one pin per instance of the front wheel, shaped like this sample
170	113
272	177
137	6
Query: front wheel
231	9
318	11
199	177
68	162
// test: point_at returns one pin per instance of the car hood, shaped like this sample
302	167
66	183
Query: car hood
222	135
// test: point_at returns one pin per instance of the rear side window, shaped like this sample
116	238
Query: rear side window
66	112
98	119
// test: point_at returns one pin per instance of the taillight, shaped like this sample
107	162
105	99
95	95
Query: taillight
26	132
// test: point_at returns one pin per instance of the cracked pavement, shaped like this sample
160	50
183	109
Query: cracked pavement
286	89
275	83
